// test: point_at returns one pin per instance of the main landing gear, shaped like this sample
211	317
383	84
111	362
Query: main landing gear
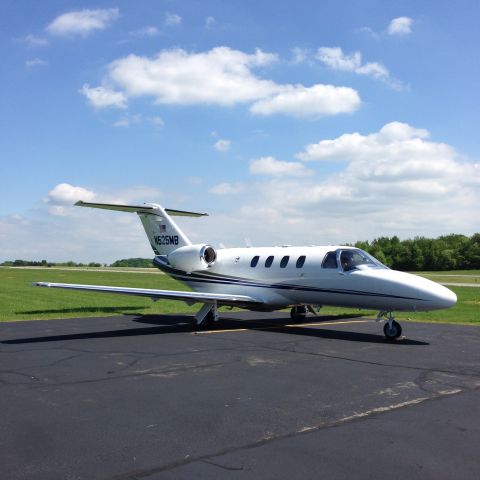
392	329
299	313
206	316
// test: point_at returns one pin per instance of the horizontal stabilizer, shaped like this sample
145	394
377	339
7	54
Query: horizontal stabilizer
138	208
191	297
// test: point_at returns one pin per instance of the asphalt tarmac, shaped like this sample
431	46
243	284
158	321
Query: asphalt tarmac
147	397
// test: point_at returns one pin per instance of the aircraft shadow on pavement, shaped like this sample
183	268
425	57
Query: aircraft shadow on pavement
165	324
99	310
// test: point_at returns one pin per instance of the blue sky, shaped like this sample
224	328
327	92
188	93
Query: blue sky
291	122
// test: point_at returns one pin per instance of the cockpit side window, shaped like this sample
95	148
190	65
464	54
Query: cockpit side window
330	260
352	259
347	260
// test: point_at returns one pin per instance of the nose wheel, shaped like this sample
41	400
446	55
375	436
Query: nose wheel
392	329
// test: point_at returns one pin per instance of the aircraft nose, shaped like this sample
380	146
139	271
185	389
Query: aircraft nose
443	297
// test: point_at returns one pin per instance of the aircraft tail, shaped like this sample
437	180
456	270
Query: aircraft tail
163	233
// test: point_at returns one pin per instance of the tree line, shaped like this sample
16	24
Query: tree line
126	262
448	252
45	263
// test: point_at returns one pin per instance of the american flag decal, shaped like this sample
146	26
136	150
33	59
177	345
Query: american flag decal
163	228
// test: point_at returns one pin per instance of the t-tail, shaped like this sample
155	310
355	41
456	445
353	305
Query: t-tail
163	233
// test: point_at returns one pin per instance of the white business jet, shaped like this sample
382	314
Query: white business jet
273	278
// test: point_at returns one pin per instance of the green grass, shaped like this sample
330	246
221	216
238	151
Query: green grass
19	300
450	272
457	276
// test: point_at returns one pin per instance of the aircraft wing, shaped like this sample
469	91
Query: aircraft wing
188	297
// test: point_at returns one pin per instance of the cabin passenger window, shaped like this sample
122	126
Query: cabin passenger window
330	260
284	261
300	261
254	261
269	261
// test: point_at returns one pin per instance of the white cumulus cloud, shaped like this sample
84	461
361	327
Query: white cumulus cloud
82	22
396	181
64	195
224	77
277	168
393	140
102	97
400	26
304	102
222	145
221	76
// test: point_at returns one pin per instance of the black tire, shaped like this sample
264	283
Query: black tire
298	313
393	332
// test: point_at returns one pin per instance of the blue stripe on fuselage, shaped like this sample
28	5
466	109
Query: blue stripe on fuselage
229	280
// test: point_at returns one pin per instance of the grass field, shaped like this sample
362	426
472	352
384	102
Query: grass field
19	300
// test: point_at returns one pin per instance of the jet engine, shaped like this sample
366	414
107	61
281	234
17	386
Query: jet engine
192	257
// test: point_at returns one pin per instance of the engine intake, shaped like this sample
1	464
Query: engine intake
192	257
208	254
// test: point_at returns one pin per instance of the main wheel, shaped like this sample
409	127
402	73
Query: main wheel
392	332
298	313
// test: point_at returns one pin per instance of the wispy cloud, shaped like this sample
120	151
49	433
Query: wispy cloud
400	26
278	168
210	22
227	188
222	145
172	20
336	59
157	121
149	31
36	62
82	22
33	41
299	55
128	120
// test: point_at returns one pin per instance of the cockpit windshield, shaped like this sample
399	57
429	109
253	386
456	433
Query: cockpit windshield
358	259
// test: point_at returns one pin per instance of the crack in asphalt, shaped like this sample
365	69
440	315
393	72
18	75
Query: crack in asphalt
147	372
354	418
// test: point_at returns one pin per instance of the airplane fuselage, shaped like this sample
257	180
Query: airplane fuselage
284	276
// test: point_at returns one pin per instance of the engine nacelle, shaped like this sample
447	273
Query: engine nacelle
192	257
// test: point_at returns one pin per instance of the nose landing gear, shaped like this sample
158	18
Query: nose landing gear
392	329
